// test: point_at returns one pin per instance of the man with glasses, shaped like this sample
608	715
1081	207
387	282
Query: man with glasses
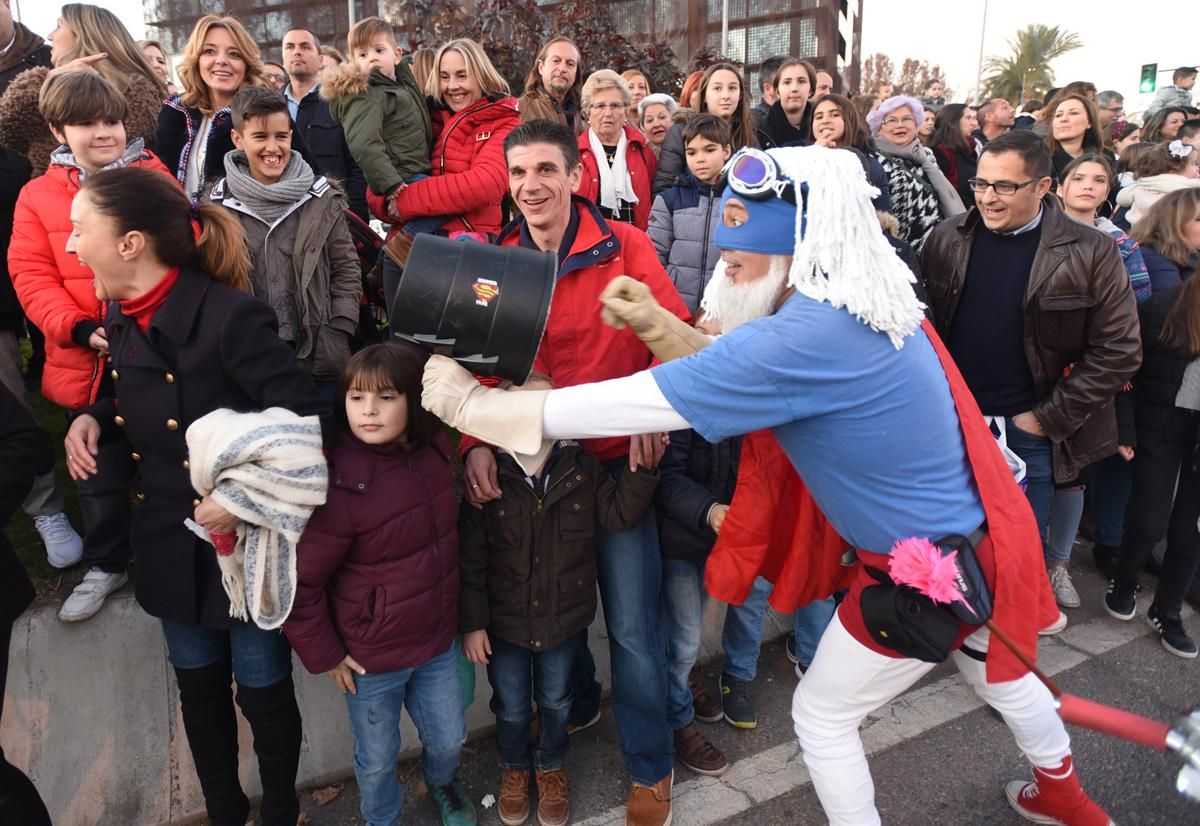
1111	105
1038	313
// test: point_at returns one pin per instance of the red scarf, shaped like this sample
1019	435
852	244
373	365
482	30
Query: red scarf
143	308
776	530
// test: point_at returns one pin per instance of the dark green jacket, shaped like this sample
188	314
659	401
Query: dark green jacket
386	123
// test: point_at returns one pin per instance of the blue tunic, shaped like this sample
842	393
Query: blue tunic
871	430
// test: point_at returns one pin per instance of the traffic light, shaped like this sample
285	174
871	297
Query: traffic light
1149	78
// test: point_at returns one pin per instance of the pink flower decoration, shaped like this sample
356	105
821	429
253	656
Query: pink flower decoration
919	564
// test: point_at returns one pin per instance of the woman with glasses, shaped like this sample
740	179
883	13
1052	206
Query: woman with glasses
921	195
618	163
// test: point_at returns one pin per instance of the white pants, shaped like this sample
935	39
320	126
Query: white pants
847	681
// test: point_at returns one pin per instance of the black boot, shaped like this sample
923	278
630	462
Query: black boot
274	718
206	700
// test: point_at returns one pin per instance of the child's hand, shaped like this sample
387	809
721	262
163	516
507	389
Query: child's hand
477	647
392	210
716	517
343	674
99	341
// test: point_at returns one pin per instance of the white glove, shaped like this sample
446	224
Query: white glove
628	301
511	420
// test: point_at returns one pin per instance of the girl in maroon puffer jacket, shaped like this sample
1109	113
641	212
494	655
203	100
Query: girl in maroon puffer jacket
377	595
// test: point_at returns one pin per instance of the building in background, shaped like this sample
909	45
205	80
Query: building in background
826	32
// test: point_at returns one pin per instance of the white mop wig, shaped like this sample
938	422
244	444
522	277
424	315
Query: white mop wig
842	256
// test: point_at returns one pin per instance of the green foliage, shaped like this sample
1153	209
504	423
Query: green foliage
1026	72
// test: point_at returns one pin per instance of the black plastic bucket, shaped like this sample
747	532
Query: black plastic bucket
484	306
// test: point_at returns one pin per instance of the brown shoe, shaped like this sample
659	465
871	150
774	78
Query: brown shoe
706	709
694	751
554	806
650	805
514	797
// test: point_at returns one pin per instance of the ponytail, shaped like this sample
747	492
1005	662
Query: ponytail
221	248
179	234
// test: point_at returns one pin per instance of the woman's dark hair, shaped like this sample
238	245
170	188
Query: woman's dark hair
1152	131
1093	138
1131	155
1181	330
741	127
856	134
947	129
142	200
1157	159
398	366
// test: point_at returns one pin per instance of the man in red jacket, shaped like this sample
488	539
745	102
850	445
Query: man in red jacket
543	170
825	343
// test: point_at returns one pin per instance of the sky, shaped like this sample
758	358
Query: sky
1116	41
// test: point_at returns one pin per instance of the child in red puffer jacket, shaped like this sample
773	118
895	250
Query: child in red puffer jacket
377	595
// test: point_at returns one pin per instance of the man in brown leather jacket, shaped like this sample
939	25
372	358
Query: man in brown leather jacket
1038	313
552	86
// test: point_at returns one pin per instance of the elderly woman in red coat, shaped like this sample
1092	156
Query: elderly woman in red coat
472	112
618	162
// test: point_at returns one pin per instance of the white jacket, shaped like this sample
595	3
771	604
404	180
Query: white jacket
1146	191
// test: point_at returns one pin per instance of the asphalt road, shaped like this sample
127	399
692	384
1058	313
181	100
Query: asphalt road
937	757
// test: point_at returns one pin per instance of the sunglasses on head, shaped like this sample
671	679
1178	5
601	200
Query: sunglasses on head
753	174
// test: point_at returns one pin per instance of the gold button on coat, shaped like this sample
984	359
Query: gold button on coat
137	457
170	377
115	375
119	421
172	424
141	497
186	464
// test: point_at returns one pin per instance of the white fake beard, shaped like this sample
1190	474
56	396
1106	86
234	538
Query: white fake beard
735	304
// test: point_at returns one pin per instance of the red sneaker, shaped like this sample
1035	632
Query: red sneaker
1055	797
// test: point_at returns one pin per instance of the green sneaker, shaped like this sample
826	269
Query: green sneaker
453	804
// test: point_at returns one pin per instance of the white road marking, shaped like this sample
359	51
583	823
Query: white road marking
780	770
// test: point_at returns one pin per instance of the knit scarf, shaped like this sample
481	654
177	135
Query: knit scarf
919	155
268	202
615	184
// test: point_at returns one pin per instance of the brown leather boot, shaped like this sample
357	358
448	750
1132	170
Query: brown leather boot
514	797
554	806
694	751
704	705
650	805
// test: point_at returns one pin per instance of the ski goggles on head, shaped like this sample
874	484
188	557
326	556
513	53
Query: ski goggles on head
753	174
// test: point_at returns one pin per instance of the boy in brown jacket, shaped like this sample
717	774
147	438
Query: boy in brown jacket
527	563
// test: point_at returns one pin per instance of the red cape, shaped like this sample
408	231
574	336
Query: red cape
774	529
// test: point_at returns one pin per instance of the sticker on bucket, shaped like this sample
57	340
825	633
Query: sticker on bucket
485	290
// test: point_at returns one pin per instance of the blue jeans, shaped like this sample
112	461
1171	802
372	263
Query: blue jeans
1109	493
432	695
519	675
426	223
742	637
682	612
630	572
260	658
1039	472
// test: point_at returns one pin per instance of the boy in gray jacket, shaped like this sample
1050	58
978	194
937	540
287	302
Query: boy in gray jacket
684	217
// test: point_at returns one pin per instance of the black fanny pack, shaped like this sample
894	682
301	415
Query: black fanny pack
906	621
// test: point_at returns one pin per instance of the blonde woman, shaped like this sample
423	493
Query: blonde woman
160	63
83	33
193	135
472	112
639	87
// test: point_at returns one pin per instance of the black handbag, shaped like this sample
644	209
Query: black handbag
906	621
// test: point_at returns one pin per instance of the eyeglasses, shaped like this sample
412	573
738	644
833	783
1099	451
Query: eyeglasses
1117	110
980	186
754	174
611	107
894	121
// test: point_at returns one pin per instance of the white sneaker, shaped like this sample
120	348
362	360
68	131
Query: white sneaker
1064	590
64	547
88	596
1054	627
